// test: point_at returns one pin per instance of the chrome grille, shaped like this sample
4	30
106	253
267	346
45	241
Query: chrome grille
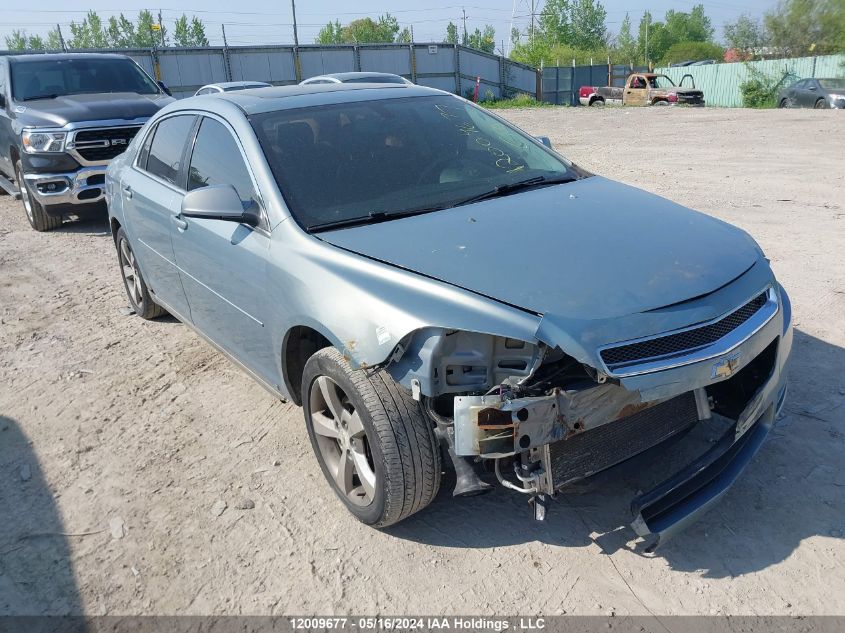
662	347
103	144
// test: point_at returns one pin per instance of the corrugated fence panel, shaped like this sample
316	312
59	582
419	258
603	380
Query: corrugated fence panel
320	61
184	70
720	82
384	60
273	65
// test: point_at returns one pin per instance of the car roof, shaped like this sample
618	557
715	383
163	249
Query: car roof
34	57
235	84
257	100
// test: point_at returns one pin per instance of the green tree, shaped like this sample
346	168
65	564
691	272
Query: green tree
555	22
189	33
451	33
482	40
656	38
121	32
332	33
802	27
682	51
588	24
744	34
626	49
17	41
364	31
54	40
145	36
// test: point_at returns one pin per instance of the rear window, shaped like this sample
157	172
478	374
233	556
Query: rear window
832	84
50	78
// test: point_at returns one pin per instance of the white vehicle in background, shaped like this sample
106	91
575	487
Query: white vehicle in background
357	78
230	86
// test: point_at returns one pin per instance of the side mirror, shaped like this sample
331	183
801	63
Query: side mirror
219	202
164	88
545	141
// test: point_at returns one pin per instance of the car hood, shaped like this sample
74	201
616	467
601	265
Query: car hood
592	249
90	107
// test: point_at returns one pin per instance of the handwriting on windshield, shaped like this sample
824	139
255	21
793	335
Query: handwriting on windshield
467	128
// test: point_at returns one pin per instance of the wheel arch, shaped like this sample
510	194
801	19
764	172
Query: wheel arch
115	225
299	344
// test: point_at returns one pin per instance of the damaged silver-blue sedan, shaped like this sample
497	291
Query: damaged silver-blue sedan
430	283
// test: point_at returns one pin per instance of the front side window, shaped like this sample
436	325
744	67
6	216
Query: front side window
168	146
50	78
217	160
661	82
342	162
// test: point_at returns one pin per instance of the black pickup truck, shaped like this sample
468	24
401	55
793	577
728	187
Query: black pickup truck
63	117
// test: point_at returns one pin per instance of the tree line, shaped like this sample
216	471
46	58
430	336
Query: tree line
116	32
567	30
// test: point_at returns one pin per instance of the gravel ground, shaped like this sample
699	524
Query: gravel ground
127	447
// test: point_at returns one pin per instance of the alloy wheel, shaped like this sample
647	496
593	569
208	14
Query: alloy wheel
131	277
342	441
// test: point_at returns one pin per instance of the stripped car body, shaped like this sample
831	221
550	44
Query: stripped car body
642	89
593	324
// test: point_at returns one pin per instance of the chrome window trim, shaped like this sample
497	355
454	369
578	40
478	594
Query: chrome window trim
726	344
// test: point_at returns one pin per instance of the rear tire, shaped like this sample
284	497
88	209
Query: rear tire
35	213
597	103
375	445
133	282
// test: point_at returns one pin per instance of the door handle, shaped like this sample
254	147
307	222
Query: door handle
127	190
179	222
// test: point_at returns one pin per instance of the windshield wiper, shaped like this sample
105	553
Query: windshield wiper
35	97
514	187
373	217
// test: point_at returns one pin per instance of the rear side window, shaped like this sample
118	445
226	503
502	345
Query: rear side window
168	147
217	160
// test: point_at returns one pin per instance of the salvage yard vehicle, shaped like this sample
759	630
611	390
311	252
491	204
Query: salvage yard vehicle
229	86
642	89
429	282
63	117
821	94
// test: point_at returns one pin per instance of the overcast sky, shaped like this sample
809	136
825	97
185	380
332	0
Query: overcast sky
269	22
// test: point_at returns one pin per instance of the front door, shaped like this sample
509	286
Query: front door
636	92
222	263
152	196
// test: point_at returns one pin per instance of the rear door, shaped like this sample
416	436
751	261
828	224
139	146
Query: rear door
222	263
152	194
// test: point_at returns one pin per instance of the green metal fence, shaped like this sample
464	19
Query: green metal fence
721	82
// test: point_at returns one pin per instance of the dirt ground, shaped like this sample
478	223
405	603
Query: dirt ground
119	436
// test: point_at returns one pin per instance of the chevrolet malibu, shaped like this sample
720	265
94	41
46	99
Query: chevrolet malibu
430	283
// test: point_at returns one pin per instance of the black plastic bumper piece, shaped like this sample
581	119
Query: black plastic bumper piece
682	499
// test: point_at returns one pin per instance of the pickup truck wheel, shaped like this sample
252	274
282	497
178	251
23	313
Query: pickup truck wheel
597	103
661	102
375	445
35	213
136	288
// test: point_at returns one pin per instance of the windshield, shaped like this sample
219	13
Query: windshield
49	78
340	162
661	81
832	84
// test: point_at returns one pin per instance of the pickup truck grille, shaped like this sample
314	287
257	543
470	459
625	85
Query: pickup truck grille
595	450
681	342
103	144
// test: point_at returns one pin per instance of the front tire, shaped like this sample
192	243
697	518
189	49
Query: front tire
35	213
375	445
136	288
820	104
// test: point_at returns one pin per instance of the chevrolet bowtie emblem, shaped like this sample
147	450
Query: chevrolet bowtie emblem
725	367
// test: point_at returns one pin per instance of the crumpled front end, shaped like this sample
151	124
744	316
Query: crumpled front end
567	416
